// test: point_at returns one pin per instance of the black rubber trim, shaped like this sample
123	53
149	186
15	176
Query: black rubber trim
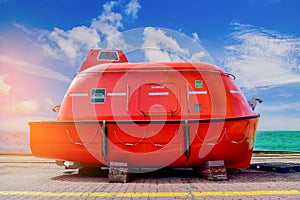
152	122
104	141
187	141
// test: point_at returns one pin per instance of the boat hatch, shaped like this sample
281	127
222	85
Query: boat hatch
158	99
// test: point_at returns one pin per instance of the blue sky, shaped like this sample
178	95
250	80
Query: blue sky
42	44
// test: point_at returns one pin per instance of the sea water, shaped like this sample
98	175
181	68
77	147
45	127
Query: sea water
288	141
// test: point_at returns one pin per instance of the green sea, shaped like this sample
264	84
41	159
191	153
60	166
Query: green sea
287	141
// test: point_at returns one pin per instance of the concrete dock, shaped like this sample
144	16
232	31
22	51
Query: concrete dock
27	177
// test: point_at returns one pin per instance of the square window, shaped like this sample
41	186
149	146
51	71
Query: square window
108	55
98	95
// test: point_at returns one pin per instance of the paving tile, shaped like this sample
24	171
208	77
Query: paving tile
51	180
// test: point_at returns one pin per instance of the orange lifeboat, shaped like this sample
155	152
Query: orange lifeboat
164	114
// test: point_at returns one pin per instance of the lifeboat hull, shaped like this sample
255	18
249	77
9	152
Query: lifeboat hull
186	143
148	115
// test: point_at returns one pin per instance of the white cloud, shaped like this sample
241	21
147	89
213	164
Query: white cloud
109	21
26	107
196	37
132	8
197	57
108	25
74	43
160	47
261	57
33	69
163	45
4	87
23	28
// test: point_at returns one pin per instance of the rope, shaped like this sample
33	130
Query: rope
154	144
127	143
210	143
134	144
81	143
